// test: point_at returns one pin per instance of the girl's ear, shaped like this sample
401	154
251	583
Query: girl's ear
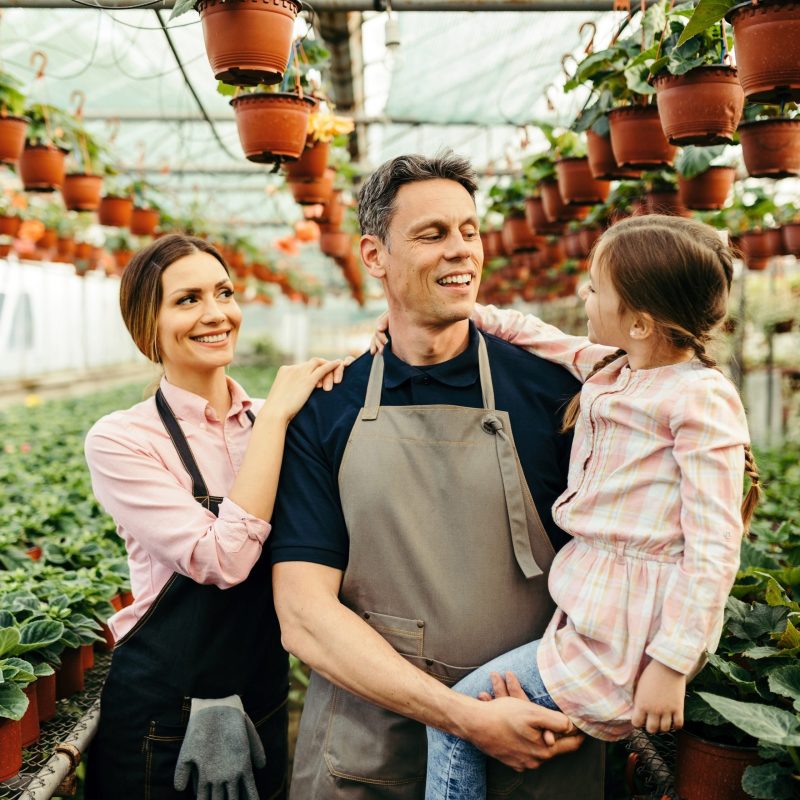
371	252
642	326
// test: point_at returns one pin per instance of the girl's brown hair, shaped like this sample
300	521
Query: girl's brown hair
140	292
679	271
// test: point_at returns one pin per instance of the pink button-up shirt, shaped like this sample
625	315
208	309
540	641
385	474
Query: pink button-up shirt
139	479
653	504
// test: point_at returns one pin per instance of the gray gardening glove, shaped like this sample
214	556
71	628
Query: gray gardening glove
219	751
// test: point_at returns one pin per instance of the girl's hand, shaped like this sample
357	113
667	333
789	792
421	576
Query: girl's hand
658	700
379	338
293	386
336	376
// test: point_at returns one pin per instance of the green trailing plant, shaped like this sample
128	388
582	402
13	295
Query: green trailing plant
661	180
693	161
12	97
759	111
508	198
539	167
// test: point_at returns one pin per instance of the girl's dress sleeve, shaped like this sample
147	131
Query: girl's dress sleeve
576	353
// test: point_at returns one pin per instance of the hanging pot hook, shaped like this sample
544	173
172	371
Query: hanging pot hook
142	148
550	105
113	127
79	96
566	57
590	44
40	57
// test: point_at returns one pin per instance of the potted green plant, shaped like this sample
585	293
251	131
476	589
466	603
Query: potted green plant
146	208
507	199
89	161
16	674
576	184
324	127
13	123
702	184
751	220
662	193
788	215
116	207
770	138
539	171
11	211
122	246
700	99
41	165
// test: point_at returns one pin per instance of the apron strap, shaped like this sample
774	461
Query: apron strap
514	495
487	387
372	402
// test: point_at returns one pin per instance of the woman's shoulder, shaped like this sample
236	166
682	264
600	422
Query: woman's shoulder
121	424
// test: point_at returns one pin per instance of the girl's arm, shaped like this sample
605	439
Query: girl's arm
576	353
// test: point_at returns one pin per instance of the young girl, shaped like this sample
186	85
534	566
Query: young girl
653	495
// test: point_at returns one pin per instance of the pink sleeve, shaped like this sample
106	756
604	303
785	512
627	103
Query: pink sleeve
576	353
710	432
150	505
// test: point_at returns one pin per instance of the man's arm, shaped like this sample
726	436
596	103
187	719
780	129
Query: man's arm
340	646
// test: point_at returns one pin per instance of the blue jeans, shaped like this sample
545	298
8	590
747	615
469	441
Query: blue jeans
456	768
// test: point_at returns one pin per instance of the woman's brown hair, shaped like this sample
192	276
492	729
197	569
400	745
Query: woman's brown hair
140	292
679	271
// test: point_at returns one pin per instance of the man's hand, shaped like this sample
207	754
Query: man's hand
519	733
658	700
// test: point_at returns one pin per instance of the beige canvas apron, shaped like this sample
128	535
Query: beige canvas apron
448	562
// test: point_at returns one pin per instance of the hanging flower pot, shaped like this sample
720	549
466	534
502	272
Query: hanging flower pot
12	138
312	162
144	221
83	251
272	127
537	220
637	138
46	697
48	240
602	163
332	211
791	238
492	244
81	192
247	42
588	238
115	211
65	249
69	677
9	226
702	107
707	191
759	246
666	201
573	245
41	167
765	36
29	724
577	184
335	243
771	147
517	235
711	771
313	191
10	748
555	209
122	258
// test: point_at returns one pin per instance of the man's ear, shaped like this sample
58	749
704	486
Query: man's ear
371	254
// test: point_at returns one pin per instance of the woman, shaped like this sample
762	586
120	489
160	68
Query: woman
190	476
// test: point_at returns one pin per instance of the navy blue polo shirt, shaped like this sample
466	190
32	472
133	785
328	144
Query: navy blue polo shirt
308	524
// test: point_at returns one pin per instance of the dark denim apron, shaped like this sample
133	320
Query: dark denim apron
194	641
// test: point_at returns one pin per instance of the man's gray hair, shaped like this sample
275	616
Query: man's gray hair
376	199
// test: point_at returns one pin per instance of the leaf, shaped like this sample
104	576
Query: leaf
761	620
761	652
9	638
737	674
13	702
38	634
706	14
786	681
762	722
181	7
697	710
769	782
43	670
693	161
790	637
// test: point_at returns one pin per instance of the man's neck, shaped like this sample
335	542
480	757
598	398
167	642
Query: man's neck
421	346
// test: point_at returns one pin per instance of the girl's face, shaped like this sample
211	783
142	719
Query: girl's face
607	324
199	318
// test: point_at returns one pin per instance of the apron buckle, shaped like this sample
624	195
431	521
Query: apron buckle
491	424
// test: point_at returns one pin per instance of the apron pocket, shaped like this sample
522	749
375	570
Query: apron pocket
407	636
368	744
161	747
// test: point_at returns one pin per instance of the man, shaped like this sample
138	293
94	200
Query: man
407	546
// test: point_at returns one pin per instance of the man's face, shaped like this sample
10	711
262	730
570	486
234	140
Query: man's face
433	256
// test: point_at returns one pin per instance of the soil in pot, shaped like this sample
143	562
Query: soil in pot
12	138
81	192
312	163
272	127
248	43
602	163
707	191
666	203
771	147
69	677
314	191
46	697
702	107
577	184
517	235
29	724
791	238
555	209
9	226
537	220
10	748
144	221
637	138
116	212
708	771
41	168
765	37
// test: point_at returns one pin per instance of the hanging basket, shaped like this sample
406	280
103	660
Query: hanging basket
313	191
48	240
272	127
710	771
9	226
602	163
791	238
588	238
114	211
12	138
537	220
518	236
759	246
707	191
144	221
577	185
555	209
771	147
492	242
332	211
637	138
248	42
311	165
574	246
702	107
81	192
335	243
765	36
41	167
666	202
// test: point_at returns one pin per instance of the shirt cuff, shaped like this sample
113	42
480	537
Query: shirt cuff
236	519
675	655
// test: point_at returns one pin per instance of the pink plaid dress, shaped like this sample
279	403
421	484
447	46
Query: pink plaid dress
652	504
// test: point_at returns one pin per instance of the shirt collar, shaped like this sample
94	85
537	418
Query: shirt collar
459	371
193	408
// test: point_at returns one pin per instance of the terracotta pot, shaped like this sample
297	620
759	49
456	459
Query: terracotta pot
127	598
48	240
791	238
29	724
81	192
765	37
588	238
108	646
537	220
707	191
312	163
12	138
272	127
316	191
758	246
9	226
144	221
46	697
69	676
637	138
573	245
335	244
41	168
65	248
248	43
10	748
602	163
83	251
577	184
87	656
771	147
116	212
492	244
5	250
332	211
34	553
708	771
555	209
122	258
666	202
702	107
517	235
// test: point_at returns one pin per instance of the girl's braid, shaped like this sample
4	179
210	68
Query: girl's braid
573	408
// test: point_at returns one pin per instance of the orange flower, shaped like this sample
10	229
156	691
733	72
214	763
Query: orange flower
287	245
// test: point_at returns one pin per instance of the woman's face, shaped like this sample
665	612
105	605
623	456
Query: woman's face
199	318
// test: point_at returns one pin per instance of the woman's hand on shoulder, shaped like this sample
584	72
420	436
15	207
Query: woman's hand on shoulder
379	337
294	383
